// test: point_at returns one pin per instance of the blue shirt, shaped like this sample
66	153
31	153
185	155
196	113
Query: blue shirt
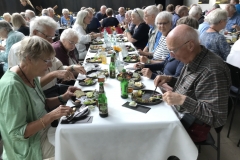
13	37
156	39
64	22
120	18
203	27
175	18
234	20
237	8
216	43
100	16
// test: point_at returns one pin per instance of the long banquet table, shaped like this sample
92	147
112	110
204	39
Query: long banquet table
125	134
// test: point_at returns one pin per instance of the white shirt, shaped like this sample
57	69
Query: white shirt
161	51
234	57
84	39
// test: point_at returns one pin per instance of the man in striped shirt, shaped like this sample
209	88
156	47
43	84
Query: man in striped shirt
202	89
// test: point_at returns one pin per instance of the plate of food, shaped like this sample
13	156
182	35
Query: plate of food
136	85
95	59
109	53
130	48
87	82
138	71
120	36
95	47
95	73
124	39
146	97
131	58
97	42
229	41
130	75
87	97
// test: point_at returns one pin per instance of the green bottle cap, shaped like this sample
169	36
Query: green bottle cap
100	83
124	70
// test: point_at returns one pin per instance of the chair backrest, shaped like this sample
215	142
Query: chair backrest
235	76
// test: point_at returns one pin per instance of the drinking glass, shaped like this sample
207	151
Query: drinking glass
101	78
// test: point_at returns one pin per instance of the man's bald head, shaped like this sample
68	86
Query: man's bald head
182	11
183	42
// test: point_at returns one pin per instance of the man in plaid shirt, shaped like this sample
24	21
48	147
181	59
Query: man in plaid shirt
202	89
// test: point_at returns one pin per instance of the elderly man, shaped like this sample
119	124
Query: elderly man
233	23
121	16
94	24
154	35
52	14
202	88
7	17
102	13
181	12
29	15
196	12
45	27
237	5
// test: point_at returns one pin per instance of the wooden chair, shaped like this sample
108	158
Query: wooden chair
234	91
210	140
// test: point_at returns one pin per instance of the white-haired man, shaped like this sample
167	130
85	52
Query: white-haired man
102	13
29	15
45	27
202	89
121	16
154	35
45	12
196	12
233	23
52	14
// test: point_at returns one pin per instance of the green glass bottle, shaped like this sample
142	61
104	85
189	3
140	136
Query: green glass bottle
124	85
112	67
102	102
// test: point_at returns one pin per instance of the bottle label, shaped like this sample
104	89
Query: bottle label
112	73
103	109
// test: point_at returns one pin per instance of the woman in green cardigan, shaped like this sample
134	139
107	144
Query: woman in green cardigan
24	121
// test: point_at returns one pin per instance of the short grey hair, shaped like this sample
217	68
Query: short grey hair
215	16
29	14
129	12
18	21
138	13
5	15
45	12
35	47
103	6
152	10
4	25
39	23
68	34
195	11
164	15
50	9
80	18
65	10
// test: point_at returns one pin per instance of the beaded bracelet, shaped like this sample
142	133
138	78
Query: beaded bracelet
42	123
60	98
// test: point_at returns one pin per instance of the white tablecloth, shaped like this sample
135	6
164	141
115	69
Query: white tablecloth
125	134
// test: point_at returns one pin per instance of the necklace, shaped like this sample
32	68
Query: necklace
33	86
214	29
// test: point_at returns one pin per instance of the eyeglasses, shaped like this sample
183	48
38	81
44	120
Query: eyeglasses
71	42
47	61
47	37
164	23
137	13
176	49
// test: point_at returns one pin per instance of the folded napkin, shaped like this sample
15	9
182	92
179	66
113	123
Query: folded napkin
139	108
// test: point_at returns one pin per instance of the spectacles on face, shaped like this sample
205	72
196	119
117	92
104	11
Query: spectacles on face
71	42
176	49
135	10
47	37
164	23
47	61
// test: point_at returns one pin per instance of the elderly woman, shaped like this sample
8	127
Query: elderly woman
65	50
196	12
12	37
110	21
19	24
82	20
140	36
211	38
128	21
7	17
66	19
24	121
163	22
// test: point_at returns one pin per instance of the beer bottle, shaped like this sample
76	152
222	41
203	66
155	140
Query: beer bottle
124	85
102	102
112	67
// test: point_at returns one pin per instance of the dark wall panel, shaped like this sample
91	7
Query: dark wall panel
12	6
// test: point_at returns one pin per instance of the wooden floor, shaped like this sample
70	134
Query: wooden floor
229	149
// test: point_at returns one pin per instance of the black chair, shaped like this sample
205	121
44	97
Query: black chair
234	91
210	140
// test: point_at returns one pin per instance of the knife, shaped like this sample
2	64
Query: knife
78	114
